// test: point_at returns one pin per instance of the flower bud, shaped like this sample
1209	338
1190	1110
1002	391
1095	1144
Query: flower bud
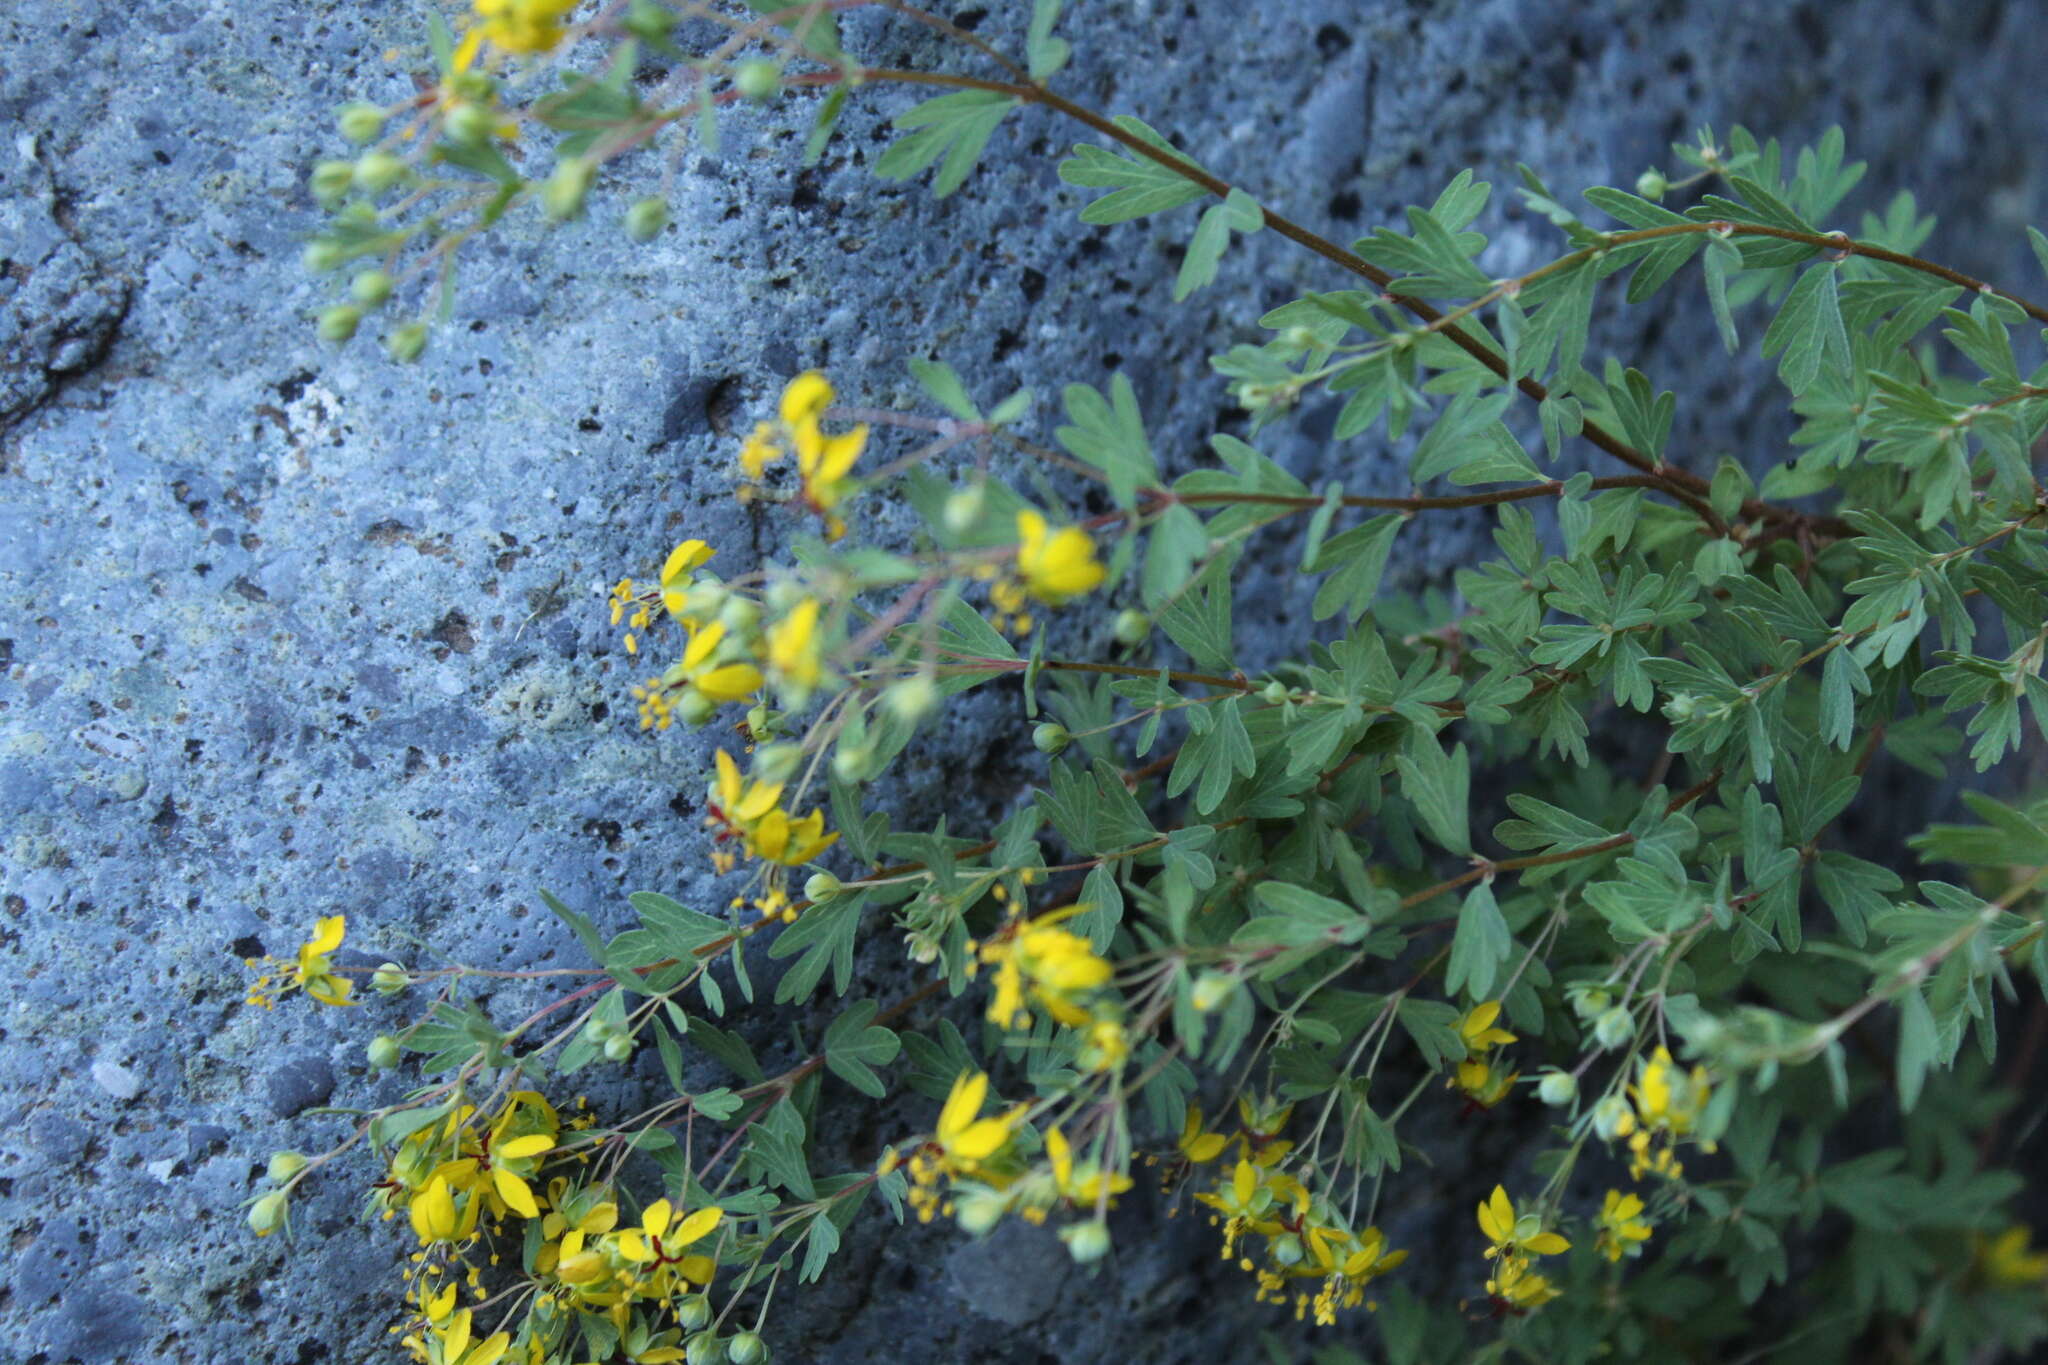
321	257
1212	989
360	123
747	1348
389	979
1681	708
1275	692
646	219
370	288
821	887
850	764
1286	1249
695	708
775	762
618	1047
376	172
1132	627
1297	338
963	509
1612	1118
758	80
1051	738
650	22
1557	1088
339	322
597	1030
977	1209
1614	1027
1087	1241
693	1312
283	1166
408	343
566	188
740	615
383	1052
704	1349
1591	1003
474	86
266	1215
469	125
912	699
1651	184
331	180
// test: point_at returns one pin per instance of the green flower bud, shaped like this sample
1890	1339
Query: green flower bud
740	615
822	886
963	509
1132	627
1591	1003
618	1047
1651	184
977	1209
390	979
562	196
693	1312
695	708
266	1215
376	172
1297	338
758	80
321	257
705	601
597	1029
1286	1249
646	219
850	764
747	1348
339	323
1212	989
1557	1088
704	1349
912	699
284	1165
469	125
370	288
1275	692
408	343
650	22
1681	708
360	123
1086	1242
777	762
383	1052
475	87
1614	1027
1612	1118
1051	738
331	180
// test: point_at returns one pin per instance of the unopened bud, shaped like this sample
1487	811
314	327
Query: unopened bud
693	1312
1286	1249
775	763
376	172
850	764
646	219
758	80
1297	338
331	180
598	1030
383	1052
1612	1118
389	979
1614	1027
618	1047
321	257
1275	692
704	1349
747	1348
284	1165
977	1209
370	288
339	322
408	343
360	123
469	125
1212	989
562	196
695	708
822	886
1651	184
1557	1088
266	1215
912	699
1681	708
474	86
1132	627
1590	1004
740	614
963	509
1051	738
1086	1242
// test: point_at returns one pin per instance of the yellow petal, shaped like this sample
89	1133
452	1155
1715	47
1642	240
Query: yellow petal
691	554
982	1138
1546	1244
1497	1217
805	398
327	934
694	1227
963	1103
533	1144
732	682
518	1196
657	1216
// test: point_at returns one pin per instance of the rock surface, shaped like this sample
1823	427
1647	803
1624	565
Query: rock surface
288	631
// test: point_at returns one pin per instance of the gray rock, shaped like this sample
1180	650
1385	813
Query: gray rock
348	616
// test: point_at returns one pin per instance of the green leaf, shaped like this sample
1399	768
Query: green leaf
1238	212
586	932
1722	257
1110	435
1808	330
938	379
817	26
1212	756
1044	53
1439	786
1918	1042
955	126
775	1147
825	935
855	1045
1356	561
1140	186
1199	619
820	1241
822	126
1480	946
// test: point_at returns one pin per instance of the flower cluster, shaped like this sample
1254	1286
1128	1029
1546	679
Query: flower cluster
1303	1237
522	27
312	972
1053	567
965	1147
1513	1244
1483	1082
823	462
749	813
1668	1104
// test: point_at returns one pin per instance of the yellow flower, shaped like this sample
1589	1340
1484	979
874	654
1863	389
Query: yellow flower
314	973
1055	567
1049	965
682	561
777	838
795	657
823	461
1521	1288
1669	1099
436	1216
1512	1237
1478	1031
1107	1045
1483	1083
511	1163
1083	1185
661	1238
966	1139
698	668
527	27
2007	1261
760	451
1195	1145
454	1344
1622	1227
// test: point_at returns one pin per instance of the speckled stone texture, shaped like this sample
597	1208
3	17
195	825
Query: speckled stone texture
288	631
